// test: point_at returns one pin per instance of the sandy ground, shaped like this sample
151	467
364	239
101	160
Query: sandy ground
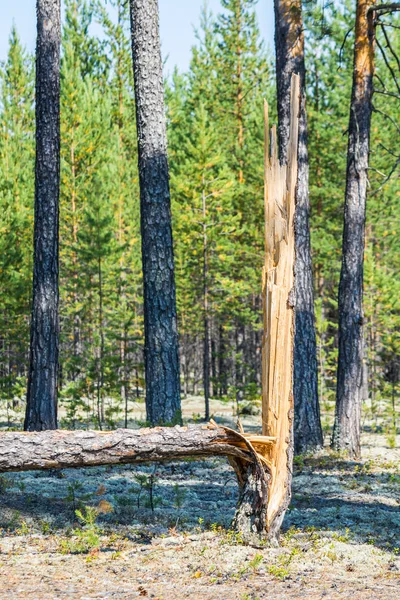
340	539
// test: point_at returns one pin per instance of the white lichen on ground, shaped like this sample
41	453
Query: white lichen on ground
340	539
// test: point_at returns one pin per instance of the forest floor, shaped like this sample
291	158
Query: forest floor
162	531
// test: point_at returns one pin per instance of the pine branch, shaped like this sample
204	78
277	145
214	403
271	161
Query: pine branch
386	93
393	169
384	8
378	110
389	66
390	46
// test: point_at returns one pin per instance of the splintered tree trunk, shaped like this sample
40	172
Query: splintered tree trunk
278	291
346	432
160	322
289	44
41	409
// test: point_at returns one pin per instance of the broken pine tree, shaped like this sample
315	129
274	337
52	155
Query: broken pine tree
278	308
263	463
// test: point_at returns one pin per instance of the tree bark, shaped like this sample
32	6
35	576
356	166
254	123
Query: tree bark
346	432
41	410
62	449
289	45
160	322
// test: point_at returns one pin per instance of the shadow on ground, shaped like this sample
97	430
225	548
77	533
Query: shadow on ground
357	500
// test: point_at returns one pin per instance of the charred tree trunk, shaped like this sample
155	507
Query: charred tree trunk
41	410
346	432
289	44
161	337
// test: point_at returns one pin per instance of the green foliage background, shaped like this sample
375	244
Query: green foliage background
215	134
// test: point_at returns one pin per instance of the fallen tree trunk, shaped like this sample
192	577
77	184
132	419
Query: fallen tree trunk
73	449
61	449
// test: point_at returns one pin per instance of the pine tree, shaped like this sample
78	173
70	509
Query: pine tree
229	77
346	433
97	253
16	217
205	224
83	73
127	324
98	144
381	285
328	93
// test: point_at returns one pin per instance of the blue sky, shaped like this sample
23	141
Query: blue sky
177	20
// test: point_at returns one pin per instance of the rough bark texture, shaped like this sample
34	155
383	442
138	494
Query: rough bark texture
289	44
73	449
161	338
251	513
41	410
346	433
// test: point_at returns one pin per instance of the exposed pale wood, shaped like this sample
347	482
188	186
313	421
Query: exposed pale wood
278	286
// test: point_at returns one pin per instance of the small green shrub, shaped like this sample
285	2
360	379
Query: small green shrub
74	496
24	528
255	562
278	571
180	496
87	538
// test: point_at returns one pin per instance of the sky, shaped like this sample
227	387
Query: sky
177	21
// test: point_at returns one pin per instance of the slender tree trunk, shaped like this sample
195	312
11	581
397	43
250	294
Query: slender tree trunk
206	333
121	236
100	370
213	348
161	337
222	363
289	43
126	376
41	410
239	95
239	366
76	333
346	432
